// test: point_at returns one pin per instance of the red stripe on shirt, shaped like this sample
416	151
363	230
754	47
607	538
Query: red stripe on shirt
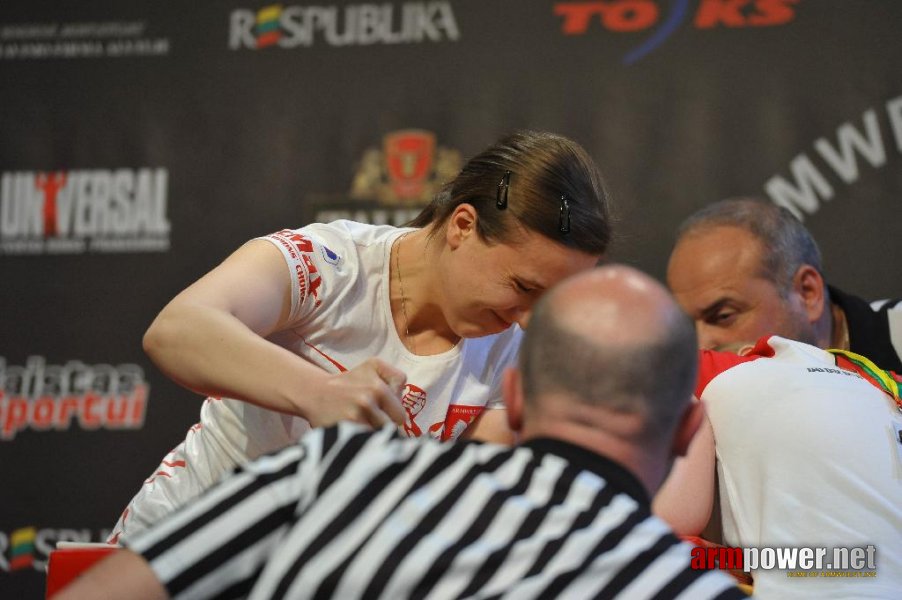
712	363
338	365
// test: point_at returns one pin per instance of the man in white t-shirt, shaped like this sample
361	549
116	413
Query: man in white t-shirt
807	453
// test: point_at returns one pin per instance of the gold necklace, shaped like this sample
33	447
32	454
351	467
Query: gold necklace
410	343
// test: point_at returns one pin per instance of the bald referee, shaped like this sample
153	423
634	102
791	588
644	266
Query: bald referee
602	405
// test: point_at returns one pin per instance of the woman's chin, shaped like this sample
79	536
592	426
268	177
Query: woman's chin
475	330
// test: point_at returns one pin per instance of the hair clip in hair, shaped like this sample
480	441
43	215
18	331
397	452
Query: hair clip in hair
503	187
564	223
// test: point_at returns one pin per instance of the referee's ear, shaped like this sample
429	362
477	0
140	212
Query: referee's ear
512	393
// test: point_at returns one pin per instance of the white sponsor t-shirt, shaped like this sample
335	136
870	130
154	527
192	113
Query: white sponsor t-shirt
807	456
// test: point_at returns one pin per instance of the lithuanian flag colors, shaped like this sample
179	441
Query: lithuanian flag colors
268	32
22	552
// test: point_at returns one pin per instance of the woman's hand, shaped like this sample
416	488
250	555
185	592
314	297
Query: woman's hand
370	394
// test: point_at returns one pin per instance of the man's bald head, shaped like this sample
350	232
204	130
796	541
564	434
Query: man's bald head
613	338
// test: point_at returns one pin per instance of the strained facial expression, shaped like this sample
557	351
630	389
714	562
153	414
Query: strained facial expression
491	286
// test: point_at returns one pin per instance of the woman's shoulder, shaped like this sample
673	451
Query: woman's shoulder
353	232
359	242
334	239
324	260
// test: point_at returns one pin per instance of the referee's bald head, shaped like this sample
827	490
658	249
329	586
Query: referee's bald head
615	339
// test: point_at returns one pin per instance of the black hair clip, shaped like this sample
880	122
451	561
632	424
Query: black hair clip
564	224
503	186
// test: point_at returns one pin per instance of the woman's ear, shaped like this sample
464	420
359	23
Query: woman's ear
461	224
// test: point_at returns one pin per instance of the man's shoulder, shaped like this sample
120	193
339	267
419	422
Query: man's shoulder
875	328
388	444
851	302
769	352
712	363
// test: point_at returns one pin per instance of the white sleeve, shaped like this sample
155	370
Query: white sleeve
310	266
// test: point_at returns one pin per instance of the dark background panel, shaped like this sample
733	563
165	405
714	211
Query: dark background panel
255	140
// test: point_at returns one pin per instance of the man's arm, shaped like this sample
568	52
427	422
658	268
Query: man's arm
123	574
686	499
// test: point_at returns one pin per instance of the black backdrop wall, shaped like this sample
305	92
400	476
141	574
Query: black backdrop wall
142	142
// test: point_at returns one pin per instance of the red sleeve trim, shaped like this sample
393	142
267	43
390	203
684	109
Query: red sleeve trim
712	363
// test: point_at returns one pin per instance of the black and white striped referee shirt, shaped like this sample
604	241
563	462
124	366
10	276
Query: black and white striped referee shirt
352	513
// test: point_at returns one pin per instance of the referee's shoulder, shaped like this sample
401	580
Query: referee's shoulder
389	439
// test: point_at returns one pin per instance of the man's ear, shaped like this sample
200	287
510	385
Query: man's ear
809	285
692	418
461	224
512	392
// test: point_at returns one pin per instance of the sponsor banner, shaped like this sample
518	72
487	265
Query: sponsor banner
44	397
655	21
304	26
78	211
393	182
797	561
27	548
858	144
100	39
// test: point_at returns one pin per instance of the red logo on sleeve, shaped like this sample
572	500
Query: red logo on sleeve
458	418
300	248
